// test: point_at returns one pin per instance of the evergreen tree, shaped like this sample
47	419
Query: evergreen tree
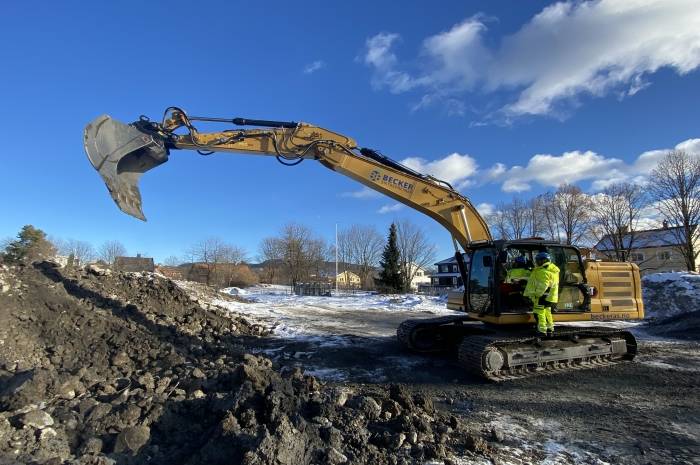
31	244
390	277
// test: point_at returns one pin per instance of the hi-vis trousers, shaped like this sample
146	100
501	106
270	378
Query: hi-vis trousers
543	316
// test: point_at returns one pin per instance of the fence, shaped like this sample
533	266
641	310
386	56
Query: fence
313	289
435	290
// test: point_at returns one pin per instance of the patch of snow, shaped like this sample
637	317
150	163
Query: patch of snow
666	366
669	294
528	438
671	276
234	291
326	374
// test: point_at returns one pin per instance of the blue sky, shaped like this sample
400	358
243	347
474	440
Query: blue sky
503	98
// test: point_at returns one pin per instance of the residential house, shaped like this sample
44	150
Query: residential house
421	277
348	279
137	263
447	274
654	250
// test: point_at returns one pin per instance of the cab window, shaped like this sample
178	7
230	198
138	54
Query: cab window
481	279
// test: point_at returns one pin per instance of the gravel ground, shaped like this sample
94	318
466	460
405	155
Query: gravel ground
99	368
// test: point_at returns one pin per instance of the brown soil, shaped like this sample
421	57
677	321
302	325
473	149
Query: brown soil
99	367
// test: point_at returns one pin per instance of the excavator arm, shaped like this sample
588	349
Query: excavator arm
121	153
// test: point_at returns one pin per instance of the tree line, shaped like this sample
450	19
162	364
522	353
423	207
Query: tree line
616	214
33	244
296	254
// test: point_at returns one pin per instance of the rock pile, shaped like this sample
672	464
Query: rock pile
99	367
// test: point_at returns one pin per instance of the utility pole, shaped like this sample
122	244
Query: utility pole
336	259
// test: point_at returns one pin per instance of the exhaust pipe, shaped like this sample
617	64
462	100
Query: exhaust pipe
121	153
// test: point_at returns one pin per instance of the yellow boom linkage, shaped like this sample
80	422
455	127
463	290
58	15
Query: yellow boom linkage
121	153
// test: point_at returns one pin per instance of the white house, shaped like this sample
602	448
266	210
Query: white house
420	277
653	250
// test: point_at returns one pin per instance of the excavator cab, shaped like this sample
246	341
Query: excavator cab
495	283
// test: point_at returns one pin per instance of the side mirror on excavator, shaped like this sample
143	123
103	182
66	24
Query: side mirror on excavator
121	153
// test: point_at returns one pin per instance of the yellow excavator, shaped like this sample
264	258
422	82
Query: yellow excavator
493	334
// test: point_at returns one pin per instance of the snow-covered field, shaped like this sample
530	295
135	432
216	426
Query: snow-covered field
360	314
329	320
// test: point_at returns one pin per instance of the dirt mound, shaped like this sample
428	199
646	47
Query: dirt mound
101	367
682	326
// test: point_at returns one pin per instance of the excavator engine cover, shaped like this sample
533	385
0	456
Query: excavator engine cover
121	153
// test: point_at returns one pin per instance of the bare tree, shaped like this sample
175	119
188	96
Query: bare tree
110	250
210	252
570	208
615	216
675	188
300	253
270	254
231	258
172	260
548	223
362	246
511	220
534	222
81	251
415	250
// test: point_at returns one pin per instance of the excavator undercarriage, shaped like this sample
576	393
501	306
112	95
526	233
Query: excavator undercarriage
500	354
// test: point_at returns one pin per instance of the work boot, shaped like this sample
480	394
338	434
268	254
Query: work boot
550	333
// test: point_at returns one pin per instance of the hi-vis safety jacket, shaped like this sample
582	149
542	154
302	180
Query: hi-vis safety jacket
517	274
543	280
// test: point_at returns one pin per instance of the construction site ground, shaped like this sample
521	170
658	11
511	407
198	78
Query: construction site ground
100	367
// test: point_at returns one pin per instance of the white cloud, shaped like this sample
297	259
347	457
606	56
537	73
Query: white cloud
364	193
576	166
551	170
486	209
569	49
454	168
547	170
314	66
390	208
380	57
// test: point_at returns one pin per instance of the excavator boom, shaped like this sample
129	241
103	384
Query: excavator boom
122	153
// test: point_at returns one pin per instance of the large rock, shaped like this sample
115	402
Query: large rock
37	419
131	440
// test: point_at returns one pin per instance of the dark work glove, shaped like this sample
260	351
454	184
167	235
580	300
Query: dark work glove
553	305
543	300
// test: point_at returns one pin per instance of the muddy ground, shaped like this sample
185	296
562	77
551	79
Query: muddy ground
101	367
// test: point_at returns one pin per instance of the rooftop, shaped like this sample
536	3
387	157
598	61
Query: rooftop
662	237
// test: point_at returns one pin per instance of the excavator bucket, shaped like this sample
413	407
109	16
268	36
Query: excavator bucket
121	153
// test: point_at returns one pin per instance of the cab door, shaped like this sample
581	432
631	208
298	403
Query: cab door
481	280
573	293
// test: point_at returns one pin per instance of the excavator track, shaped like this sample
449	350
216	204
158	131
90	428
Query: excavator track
425	335
499	357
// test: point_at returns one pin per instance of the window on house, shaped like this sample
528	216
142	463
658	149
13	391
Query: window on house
637	257
664	255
